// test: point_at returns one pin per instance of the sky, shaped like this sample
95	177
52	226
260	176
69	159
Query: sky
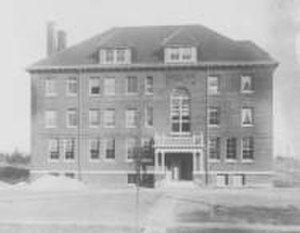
272	24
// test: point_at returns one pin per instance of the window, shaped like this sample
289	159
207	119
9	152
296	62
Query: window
50	87
69	148
72	86
115	56
213	116
131	118
94	117
213	85
231	148
109	56
149	85
110	148
94	86
248	148
246	84
121	55
95	149
214	147
131	178
180	111
186	53
109	118
131	146
247	116
50	119
132	85
109	86
53	149
71	118
181	55
149	116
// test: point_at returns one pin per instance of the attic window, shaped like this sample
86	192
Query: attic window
115	56
180	55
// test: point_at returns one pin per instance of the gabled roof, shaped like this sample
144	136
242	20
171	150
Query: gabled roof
147	45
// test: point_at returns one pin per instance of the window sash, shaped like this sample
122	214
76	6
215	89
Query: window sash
50	87
109	55
94	149
94	117
110	149
71	118
121	53
72	86
50	119
246	83
180	114
213	85
214	116
149	116
248	148
231	148
131	145
214	147
94	85
53	149
109	118
131	118
149	85
109	86
69	145
132	85
247	116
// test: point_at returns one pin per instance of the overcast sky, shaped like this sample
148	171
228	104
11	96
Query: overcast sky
269	23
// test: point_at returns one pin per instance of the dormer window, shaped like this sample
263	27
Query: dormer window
115	56
180	55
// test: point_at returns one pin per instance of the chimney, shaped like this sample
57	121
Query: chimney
61	40
51	40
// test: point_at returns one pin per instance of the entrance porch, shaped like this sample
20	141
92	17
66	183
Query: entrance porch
178	158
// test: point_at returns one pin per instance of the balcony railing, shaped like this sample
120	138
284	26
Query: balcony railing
193	140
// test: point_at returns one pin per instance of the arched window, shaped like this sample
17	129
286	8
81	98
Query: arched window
180	111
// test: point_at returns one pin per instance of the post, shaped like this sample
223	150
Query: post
194	162
163	162
155	161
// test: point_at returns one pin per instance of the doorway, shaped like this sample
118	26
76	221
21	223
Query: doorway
179	166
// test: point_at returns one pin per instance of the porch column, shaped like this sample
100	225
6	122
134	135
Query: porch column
194	161
163	159
156	161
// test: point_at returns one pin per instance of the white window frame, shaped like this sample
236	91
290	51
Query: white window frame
115	56
90	85
91	141
91	122
211	90
50	119
218	112
131	118
218	150
128	144
243	115
180	121
231	160
127	85
149	87
147	116
71	111
65	141
50	86
105	147
50	146
71	81
113	117
177	54
247	160
243	81
109	88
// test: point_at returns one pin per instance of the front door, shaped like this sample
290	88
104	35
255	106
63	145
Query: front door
179	166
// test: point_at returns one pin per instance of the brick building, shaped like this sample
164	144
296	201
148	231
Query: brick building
204	99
